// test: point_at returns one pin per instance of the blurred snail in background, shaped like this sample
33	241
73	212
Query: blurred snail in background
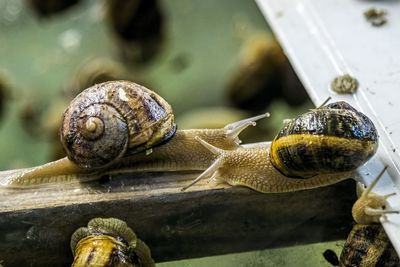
109	242
47	8
138	26
263	74
318	148
5	93
93	71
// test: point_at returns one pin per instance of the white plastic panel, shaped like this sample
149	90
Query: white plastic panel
324	39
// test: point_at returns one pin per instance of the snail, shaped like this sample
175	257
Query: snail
109	242
318	148
182	152
367	243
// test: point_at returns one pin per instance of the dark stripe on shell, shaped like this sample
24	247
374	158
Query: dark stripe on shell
317	158
358	244
369	244
388	256
92	254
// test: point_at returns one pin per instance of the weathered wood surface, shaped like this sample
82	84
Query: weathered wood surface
36	224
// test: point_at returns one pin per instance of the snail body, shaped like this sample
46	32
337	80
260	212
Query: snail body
184	152
181	153
109	242
251	168
317	146
367	244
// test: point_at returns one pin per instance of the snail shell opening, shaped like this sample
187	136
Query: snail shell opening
110	120
332	138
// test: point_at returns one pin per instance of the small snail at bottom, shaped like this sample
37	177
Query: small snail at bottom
318	148
367	244
109	242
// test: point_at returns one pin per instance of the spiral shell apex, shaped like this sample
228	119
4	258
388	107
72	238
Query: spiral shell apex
113	119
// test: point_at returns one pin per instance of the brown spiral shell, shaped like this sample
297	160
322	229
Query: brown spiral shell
113	119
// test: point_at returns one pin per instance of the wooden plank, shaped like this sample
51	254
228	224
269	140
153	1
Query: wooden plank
36	224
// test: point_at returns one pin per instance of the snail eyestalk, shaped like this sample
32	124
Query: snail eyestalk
370	207
374	182
325	102
234	129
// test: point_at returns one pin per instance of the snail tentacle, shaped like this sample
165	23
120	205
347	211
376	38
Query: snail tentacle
370	207
379	211
218	163
234	129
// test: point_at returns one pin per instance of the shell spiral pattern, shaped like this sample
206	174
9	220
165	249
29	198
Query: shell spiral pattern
113	119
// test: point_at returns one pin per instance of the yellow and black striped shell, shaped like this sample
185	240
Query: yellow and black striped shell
368	246
110	120
329	139
109	242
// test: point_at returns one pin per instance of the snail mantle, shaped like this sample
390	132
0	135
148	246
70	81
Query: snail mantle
38	222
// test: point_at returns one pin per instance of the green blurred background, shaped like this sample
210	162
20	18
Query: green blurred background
201	57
